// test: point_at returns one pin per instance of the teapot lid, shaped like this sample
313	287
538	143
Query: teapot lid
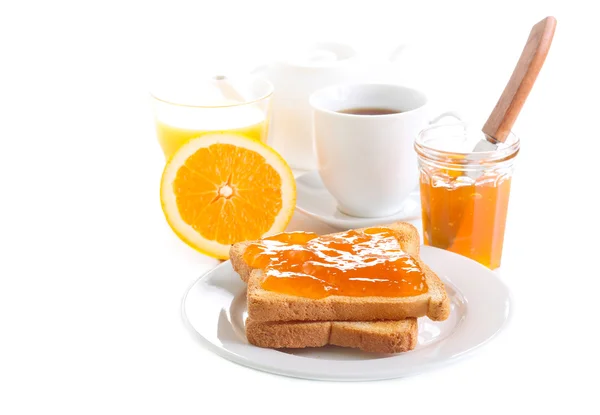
319	55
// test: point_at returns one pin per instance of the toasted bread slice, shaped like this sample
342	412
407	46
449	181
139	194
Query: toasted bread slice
264	305
372	336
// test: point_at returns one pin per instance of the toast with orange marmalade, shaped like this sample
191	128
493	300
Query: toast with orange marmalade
359	275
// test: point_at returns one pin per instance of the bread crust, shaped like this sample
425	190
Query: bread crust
375	336
271	306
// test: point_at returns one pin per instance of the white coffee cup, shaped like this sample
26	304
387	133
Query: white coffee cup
367	162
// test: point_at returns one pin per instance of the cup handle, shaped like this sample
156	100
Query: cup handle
443	115
398	50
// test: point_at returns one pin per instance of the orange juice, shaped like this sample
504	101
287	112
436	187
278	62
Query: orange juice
176	125
171	137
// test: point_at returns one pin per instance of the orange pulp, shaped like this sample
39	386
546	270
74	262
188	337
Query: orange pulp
466	217
358	263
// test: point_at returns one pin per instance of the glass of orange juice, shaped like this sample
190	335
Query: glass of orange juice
214	105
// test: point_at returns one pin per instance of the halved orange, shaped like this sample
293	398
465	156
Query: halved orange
220	189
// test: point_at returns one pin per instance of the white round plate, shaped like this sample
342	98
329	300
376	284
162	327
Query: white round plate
314	199
215	309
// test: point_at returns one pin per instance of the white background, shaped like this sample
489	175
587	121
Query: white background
91	277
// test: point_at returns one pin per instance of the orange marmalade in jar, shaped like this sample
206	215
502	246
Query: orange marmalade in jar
464	194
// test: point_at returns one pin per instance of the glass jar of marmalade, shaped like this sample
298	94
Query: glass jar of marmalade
464	194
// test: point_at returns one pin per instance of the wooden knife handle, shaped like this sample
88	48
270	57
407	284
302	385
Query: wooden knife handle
515	93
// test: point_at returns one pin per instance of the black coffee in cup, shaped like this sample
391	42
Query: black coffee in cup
369	111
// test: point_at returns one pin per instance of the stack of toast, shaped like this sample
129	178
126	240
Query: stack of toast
372	324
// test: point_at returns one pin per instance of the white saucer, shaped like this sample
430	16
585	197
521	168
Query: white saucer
214	308
314	200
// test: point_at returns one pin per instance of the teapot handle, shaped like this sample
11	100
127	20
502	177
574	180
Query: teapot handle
398	50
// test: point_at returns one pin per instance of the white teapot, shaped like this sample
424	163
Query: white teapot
304	71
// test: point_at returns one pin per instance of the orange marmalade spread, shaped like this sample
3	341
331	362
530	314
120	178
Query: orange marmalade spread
354	263
468	219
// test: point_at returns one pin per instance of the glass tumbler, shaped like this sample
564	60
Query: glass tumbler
186	109
464	194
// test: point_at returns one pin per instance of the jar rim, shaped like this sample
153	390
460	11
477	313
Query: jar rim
506	150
